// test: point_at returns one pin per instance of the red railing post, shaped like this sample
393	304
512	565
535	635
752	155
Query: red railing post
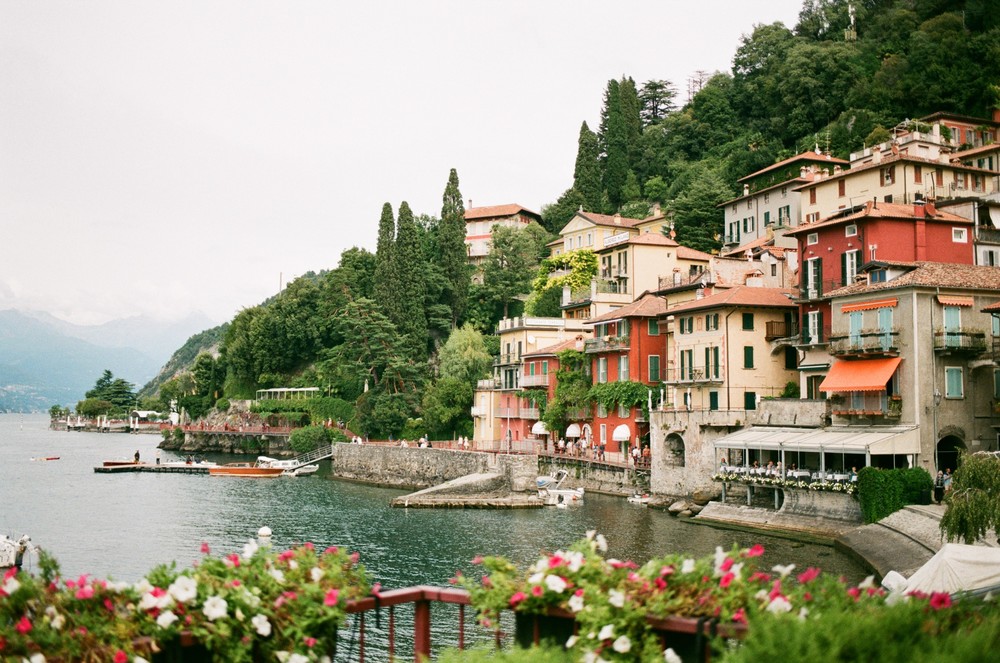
421	630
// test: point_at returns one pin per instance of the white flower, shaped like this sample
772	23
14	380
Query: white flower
316	574
555	583
736	569
183	589
292	564
607	632
11	586
250	549
277	574
139	659
166	619
602	543
575	604
720	557
616	598
575	560
261	625
150	601
898	597
298	658
687	567
803	613
215	608
117	587
622	645
590	534
251	600
761	594
783	571
58	619
572	641
779	604
535	578
142	586
867	583
239	615
670	656
989	598
37	658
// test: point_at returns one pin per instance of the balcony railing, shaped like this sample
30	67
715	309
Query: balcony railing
541	380
578	413
816	336
961	342
529	413
814	290
776	329
989	235
693	374
509	412
507	358
606	344
488	383
477	411
866	343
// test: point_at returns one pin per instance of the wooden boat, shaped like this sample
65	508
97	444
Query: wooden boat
116	463
244	470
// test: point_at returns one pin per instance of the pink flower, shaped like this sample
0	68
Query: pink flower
108	605
478	559
121	657
331	597
578	592
308	545
940	600
726	580
618	564
355	557
205	550
666	570
10	573
310	642
775	590
726	564
517	598
286	555
634	577
808	575
332	550
660	583
23	625
536	590
740	616
487	582
555	561
854	593
85	592
755	551
759	576
233	560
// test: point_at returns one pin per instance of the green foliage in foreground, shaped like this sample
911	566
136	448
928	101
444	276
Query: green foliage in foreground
516	655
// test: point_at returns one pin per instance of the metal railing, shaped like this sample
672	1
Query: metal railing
959	341
865	343
606	344
539	380
693	374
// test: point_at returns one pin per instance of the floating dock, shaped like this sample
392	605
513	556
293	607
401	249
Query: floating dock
148	467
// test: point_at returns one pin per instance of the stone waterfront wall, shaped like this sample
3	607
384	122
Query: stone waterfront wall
414	468
196	442
822	504
597	478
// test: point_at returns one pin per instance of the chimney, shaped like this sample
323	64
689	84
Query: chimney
877	153
470	203
618	218
746	189
656	209
837	170
802	171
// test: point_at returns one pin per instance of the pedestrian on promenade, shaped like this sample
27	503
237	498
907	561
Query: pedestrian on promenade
939	487
137	455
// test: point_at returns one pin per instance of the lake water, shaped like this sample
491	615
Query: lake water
121	526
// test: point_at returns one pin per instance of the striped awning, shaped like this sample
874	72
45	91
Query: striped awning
954	300
868	306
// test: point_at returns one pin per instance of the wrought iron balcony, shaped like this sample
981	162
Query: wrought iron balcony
866	344
693	374
967	343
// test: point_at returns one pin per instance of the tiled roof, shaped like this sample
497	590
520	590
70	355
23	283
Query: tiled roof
647	306
740	296
887	160
883	211
971	152
804	156
931	275
557	348
687	253
609	220
650	239
497	211
740	250
992	308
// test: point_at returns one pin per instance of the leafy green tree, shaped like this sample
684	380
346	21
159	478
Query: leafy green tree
614	145
974	499
510	265
464	356
586	173
697	220
573	384
658	99
559	213
446	407
452	255
93	407
409	285
208	376
120	393
580	267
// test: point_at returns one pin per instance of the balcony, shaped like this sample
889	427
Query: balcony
509	412
478	411
960	343
816	290
693	375
779	329
507	359
529	413
815	336
488	383
987	235
872	343
542	380
606	344
578	413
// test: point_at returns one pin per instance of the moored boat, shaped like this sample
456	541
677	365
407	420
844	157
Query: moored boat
244	470
12	552
552	494
302	470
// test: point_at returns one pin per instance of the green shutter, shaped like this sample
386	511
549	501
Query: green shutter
843	268
748	356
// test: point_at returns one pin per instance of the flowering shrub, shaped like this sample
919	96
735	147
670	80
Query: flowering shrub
616	604
847	488
284	605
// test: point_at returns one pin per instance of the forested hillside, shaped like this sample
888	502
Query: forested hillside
402	334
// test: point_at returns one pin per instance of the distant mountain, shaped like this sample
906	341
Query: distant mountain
46	361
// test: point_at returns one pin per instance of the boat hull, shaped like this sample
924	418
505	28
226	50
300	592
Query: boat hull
244	470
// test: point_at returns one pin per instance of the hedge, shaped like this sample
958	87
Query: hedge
883	492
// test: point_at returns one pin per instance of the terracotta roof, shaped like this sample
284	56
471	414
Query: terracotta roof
804	156
794	182
497	211
740	296
649	239
646	306
992	308
687	253
551	350
740	250
883	211
941	115
888	158
931	275
609	220
971	152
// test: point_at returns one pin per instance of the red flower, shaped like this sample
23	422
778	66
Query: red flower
310	642
660	583
10	573
854	593
775	590
940	600
726	580
759	576
808	575
331	597
578	592
487	582
205	550
286	555
308	545
121	657
517	598
755	551
740	616
109	605
536	590
23	625
332	550
85	592
726	564
555	561
233	560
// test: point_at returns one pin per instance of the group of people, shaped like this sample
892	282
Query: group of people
357	440
640	457
942	484
776	469
580	448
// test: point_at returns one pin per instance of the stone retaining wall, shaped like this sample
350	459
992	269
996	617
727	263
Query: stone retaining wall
415	468
822	505
235	443
596	477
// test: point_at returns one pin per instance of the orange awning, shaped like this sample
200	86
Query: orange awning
867	306
951	300
861	375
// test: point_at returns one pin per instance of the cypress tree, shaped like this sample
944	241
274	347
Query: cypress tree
587	174
384	295
408	282
451	244
631	109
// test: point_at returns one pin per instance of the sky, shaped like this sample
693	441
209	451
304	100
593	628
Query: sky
163	158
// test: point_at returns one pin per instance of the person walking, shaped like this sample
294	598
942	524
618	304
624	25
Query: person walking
939	487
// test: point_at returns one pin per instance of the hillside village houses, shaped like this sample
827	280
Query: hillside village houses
479	224
852	317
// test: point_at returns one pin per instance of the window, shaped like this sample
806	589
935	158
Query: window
623	368
918	177
996	383
784	214
842	188
602	369
687	367
624	411
749	400
774	269
767	197
952	326
996	324
735	207
850	261
851	230
886	176
885	327
604	433
545	368
653	328
713	400
939	176
854	329
712	362
602	411
767	218
812	196
590	239
812	238
784	192
812	218
654	368
953	384
687	325
960	235
814	327
748	356
748	321
711	322
876	276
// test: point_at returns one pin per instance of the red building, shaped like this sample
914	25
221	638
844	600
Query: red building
538	372
627	346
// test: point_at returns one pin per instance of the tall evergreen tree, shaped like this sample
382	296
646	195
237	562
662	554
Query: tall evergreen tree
408	282
587	174
451	246
385	296
631	108
657	99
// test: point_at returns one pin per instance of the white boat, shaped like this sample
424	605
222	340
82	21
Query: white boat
301	471
552	494
12	552
639	498
189	463
292	467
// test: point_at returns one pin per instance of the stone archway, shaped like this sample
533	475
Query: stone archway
948	448
673	447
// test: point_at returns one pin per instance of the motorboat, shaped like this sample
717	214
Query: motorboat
244	470
47	458
551	492
301	471
639	498
189	463
12	552
292	467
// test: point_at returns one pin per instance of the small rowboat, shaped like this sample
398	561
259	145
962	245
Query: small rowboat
244	470
47	458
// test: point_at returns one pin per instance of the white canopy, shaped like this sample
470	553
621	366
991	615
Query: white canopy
621	433
573	430
539	428
876	440
956	568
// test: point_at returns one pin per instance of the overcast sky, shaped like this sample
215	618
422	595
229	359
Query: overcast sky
170	157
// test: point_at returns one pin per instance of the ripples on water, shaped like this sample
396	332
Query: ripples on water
122	525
